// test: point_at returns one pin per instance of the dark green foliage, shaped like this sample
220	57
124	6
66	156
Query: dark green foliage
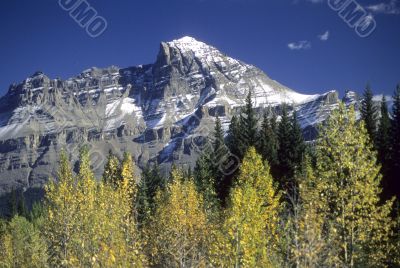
234	140
285	146
394	183
369	113
383	144
18	204
37	214
291	149
151	181
268	141
204	178
298	146
218	160
248	125
219	147
243	131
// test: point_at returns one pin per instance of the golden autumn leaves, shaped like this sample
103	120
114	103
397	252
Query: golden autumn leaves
333	217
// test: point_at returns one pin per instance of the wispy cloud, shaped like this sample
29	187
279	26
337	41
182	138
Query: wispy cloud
300	45
324	36
391	7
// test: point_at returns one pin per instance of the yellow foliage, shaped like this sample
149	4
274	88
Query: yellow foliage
249	237
358	226
179	230
90	223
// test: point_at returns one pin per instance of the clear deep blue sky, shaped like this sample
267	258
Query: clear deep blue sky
39	35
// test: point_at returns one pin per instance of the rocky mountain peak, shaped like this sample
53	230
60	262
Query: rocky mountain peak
189	44
160	112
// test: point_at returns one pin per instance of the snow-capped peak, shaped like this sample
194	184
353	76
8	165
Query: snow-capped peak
187	41
189	44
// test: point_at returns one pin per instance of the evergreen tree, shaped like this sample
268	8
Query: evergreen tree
383	143
369	113
250	228
111	172
219	159
151	181
220	150
291	149
285	147
18	204
298	145
268	140
235	140
248	124
394	183
204	178
358	226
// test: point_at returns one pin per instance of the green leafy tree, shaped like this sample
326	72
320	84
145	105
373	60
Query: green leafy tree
358	225
303	240
90	224
22	245
249	236
179	230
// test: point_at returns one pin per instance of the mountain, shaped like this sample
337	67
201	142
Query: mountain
160	112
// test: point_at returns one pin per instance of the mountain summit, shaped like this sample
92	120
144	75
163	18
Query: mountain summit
160	112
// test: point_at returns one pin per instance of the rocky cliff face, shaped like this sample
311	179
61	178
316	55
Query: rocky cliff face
159	112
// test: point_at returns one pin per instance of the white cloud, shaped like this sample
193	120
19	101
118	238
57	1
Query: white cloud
324	36
391	7
300	45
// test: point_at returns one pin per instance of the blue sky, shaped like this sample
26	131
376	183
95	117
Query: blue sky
303	44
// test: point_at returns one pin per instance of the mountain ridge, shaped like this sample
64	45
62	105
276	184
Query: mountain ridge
160	112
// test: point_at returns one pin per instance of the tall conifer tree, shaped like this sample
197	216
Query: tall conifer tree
369	113
383	143
394	183
248	124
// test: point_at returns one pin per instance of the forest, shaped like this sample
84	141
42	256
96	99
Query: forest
327	203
